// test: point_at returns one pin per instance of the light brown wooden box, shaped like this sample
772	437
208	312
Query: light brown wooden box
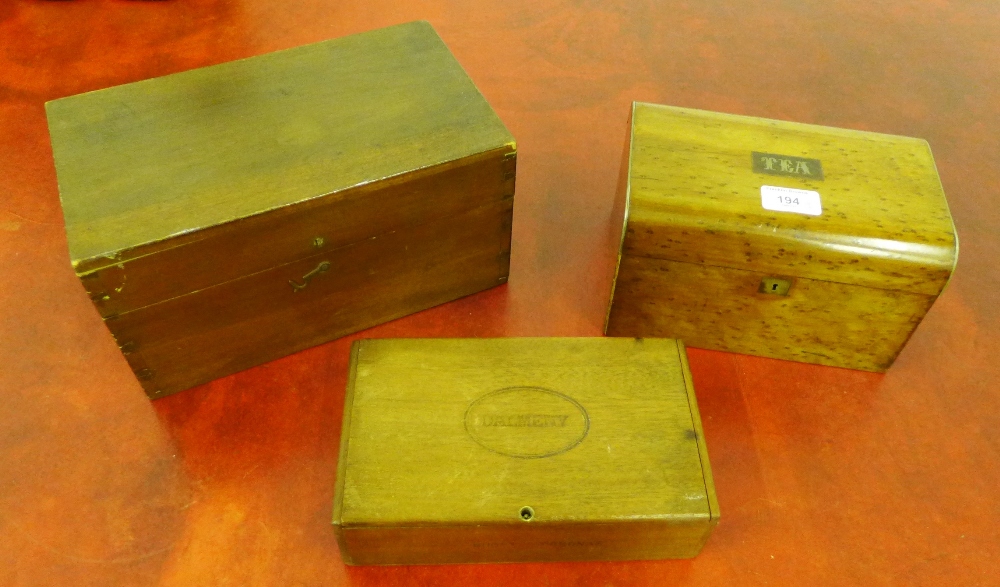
702	260
226	216
521	449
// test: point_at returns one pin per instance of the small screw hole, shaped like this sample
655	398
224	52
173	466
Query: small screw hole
527	513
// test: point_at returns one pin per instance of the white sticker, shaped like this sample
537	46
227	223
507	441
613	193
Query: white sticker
790	200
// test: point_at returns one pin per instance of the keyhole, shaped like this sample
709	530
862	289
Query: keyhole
775	286
527	513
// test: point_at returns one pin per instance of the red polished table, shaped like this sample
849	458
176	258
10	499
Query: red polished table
824	476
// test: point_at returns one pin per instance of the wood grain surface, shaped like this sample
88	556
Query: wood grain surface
699	248
192	339
247	246
599	437
694	196
140	163
825	476
822	322
200	206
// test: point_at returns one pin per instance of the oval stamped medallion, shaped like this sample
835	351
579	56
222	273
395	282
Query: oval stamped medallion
527	422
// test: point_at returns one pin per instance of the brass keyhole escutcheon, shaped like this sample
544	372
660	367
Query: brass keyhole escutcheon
775	286
319	270
527	513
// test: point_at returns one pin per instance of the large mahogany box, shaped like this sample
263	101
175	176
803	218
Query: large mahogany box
226	216
779	239
521	449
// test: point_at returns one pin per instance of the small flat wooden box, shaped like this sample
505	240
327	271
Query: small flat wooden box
530	449
226	216
854	245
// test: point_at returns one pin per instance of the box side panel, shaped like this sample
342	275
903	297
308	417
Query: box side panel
229	251
527	542
720	308
619	213
706	467
227	328
345	437
954	229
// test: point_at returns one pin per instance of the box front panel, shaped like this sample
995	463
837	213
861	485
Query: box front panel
227	328
524	542
749	312
206	258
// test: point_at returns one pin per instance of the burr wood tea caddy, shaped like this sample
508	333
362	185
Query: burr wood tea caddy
779	239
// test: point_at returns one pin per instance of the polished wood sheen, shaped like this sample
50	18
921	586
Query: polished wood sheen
697	243
366	283
826	477
226	216
530	449
141	163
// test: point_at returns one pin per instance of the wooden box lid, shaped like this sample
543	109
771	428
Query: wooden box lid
144	164
695	194
470	432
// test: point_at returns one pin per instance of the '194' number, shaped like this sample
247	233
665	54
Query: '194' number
788	200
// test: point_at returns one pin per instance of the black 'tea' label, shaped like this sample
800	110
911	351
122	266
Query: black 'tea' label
773	164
